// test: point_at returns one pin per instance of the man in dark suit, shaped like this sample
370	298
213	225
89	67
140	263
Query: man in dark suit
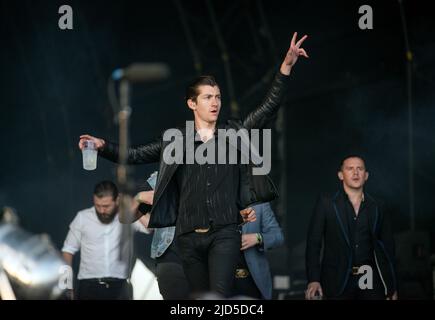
358	246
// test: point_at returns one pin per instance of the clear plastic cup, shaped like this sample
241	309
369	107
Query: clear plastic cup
152	180
90	154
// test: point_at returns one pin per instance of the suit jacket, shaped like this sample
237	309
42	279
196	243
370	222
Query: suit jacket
253	189
255	257
329	226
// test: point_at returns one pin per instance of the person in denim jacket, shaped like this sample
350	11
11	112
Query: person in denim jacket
170	275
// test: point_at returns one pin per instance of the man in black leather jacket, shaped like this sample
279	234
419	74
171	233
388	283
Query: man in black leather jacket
204	200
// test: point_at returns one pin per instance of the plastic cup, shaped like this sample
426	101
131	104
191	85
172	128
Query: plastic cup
152	180
90	154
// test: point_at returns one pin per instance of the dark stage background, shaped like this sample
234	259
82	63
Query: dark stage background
349	96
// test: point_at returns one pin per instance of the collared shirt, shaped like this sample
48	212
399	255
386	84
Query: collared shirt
359	234
208	192
99	245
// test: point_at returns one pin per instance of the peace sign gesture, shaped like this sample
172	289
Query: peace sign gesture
293	54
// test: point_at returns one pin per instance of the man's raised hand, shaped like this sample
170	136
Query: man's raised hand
293	54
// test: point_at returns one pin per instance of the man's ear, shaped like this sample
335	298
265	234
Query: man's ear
191	104
340	175
366	176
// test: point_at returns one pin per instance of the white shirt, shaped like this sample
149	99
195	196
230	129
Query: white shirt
99	244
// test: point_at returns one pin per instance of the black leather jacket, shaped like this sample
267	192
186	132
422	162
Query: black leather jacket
254	189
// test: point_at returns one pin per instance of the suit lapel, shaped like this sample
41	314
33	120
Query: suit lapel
340	214
371	209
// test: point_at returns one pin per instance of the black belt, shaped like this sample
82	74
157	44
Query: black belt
242	273
204	230
355	270
107	282
103	280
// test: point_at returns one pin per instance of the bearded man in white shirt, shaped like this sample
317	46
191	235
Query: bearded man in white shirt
97	233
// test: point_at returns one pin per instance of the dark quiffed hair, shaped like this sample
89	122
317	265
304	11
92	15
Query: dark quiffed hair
351	155
192	88
105	189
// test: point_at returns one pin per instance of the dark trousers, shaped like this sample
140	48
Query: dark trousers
104	289
210	259
170	275
244	284
353	291
246	287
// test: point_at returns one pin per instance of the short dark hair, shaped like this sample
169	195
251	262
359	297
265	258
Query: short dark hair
106	188
192	88
352	155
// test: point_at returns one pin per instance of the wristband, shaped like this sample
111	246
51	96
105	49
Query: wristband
259	238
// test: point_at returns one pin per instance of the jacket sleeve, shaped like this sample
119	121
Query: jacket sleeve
258	118
270	229
387	238
386	232
145	153
314	242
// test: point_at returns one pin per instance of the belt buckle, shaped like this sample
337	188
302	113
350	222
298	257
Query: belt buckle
202	230
101	281
242	273
355	270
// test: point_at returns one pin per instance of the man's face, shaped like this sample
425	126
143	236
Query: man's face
207	104
106	208
353	173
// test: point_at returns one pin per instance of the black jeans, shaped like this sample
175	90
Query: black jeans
170	275
353	291
113	289
247	288
210	259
